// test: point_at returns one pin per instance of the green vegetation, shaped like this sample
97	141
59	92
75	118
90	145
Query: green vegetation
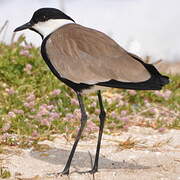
4	173
34	104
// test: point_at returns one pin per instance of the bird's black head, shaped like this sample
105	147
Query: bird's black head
45	20
44	14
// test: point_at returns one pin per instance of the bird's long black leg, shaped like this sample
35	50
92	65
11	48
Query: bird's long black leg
83	123
102	117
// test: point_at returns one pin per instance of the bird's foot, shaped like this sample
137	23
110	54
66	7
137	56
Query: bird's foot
92	171
64	172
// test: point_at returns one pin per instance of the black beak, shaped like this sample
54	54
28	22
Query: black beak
25	26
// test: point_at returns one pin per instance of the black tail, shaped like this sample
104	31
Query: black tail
156	82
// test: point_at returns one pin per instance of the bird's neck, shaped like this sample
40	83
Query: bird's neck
46	28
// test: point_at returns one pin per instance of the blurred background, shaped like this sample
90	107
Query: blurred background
147	28
35	106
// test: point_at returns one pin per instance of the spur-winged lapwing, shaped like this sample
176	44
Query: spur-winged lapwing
85	60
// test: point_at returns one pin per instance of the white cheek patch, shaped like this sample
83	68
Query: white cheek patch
47	27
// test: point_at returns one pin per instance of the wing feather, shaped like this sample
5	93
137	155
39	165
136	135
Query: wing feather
84	55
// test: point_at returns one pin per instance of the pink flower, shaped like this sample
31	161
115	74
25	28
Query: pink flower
74	102
11	114
113	124
154	110
33	109
146	102
28	68
5	136
54	115
93	104
35	133
97	111
45	122
121	103
50	107
43	106
125	127
167	94
161	129
43	109
10	91
31	116
77	112
29	46
6	127
43	112
125	119
132	92
123	113
113	114
31	97
29	104
91	126
158	93
69	116
20	111
24	52
55	92
117	97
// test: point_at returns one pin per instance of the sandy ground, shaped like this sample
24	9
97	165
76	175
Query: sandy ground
155	156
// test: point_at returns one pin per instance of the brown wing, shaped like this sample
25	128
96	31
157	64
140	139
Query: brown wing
84	55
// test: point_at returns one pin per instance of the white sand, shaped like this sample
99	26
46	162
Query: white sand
156	156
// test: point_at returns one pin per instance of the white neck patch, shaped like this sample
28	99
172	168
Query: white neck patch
47	27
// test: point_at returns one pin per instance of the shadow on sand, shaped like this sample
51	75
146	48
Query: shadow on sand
82	160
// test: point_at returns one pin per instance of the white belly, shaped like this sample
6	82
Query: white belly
93	89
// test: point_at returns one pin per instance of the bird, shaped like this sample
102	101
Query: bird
88	60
